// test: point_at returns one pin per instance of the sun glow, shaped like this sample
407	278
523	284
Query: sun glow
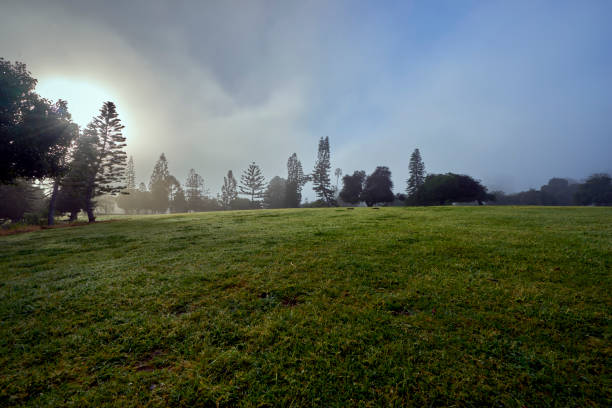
84	97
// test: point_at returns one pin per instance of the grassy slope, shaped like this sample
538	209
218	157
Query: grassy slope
325	307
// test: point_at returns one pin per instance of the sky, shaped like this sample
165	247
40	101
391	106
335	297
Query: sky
512	93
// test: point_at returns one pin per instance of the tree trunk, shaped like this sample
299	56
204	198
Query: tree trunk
90	214
73	216
89	204
51	216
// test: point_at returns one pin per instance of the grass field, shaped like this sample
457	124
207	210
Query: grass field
493	306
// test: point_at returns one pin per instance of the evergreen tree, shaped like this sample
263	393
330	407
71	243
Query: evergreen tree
417	174
108	167
127	200
159	185
229	190
320	175
130	175
178	203
252	184
194	190
295	182
338	174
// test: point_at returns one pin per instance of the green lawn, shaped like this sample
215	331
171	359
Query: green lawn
493	306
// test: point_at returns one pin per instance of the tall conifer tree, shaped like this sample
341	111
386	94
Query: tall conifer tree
159	185
127	200
252	184
130	175
417	173
108	167
194	190
229	190
295	181
320	175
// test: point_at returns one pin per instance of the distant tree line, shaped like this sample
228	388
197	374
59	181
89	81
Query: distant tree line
50	167
595	190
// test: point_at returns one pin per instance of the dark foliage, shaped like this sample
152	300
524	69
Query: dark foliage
596	190
378	187
275	195
34	133
352	187
295	181
440	189
19	198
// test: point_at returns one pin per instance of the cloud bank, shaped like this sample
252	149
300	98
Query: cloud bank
512	93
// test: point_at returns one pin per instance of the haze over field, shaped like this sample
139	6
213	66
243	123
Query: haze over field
513	93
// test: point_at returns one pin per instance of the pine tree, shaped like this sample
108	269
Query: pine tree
127	200
130	175
108	168
229	190
295	182
159	185
252	184
417	173
194	190
338	174
320	175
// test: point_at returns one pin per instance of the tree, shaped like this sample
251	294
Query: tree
130	175
173	186
159	185
352	187
179	203
417	173
108	168
597	190
275	193
34	133
446	188
229	190
295	181
194	190
143	198
378	187
19	198
338	174
127	199
63	123
320	174
73	192
558	191
252	184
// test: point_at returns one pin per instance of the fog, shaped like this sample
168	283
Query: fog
512	93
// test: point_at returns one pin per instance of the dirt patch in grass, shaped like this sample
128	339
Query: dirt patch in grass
291	301
146	363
